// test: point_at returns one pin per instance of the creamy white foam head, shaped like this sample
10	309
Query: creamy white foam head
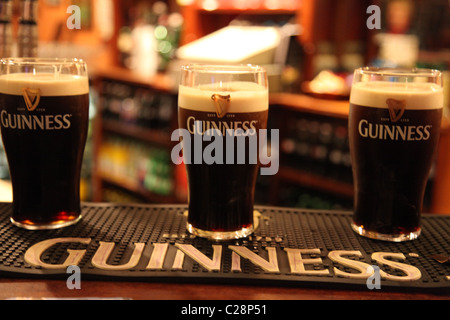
418	95
244	97
49	84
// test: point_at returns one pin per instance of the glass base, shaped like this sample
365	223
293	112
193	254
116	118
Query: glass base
225	235
56	225
385	237
220	235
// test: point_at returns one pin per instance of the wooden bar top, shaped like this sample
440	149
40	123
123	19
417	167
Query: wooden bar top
38	289
23	277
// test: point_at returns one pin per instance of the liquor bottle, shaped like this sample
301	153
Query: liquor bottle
6	41
27	37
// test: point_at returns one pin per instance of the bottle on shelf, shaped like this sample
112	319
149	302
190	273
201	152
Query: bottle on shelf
27	36
137	165
6	39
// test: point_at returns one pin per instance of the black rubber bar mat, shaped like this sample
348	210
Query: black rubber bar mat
291	247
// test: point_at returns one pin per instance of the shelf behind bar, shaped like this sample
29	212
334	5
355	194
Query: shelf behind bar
154	136
318	182
304	103
293	101
159	81
297	101
139	190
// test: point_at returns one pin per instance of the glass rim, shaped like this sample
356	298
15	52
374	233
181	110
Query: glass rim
399	72
24	61
222	69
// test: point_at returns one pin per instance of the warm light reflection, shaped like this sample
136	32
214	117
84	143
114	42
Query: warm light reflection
210	5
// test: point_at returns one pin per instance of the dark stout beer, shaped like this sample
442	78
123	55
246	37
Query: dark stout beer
44	130
221	194
393	136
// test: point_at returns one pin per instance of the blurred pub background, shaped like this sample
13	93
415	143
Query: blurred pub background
309	48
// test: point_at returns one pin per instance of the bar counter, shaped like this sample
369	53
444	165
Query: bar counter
39	289
142	252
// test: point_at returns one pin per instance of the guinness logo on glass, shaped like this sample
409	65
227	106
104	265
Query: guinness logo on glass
396	109
222	103
32	98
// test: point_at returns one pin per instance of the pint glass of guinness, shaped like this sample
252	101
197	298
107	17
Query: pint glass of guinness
44	105
394	125
221	110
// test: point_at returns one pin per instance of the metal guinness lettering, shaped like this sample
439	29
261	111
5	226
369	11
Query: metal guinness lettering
292	257
33	255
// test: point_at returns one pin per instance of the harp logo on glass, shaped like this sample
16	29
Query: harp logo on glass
32	98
